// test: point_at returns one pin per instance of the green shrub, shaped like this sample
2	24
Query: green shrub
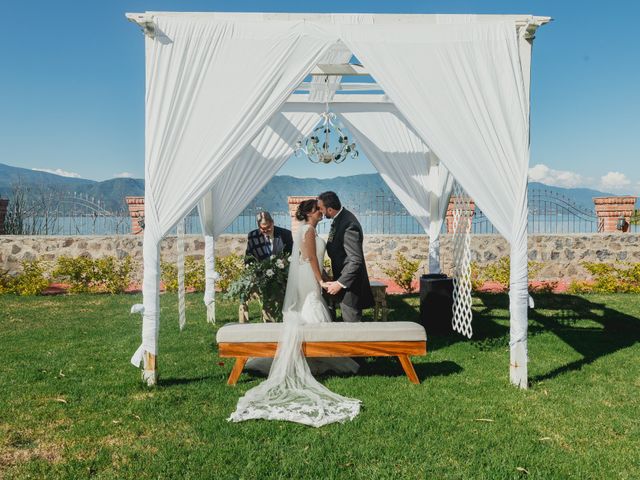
78	272
84	274
477	280
500	272
194	278
230	268
111	275
31	281
5	282
609	278
169	276
404	273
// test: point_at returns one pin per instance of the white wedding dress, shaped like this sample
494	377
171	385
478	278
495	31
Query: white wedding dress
291	392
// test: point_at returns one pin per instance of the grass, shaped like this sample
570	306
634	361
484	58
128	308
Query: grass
71	405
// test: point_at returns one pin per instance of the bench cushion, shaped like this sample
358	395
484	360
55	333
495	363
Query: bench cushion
325	332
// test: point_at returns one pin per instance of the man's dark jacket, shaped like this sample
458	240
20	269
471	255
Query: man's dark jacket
257	244
344	248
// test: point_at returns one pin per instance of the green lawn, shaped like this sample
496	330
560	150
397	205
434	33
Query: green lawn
71	405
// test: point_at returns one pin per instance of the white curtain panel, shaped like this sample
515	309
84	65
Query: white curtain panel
412	171
323	87
461	87
243	179
212	84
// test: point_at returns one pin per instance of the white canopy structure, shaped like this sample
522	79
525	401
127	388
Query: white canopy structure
222	116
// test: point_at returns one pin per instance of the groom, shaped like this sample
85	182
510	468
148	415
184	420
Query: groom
351	286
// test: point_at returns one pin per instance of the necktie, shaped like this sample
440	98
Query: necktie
268	244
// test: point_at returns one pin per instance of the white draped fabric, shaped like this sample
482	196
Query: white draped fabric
462	89
412	171
241	181
214	81
203	107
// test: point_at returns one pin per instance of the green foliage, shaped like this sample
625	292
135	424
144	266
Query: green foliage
5	282
498	272
194	278
609	278
31	281
404	272
267	278
112	275
229	268
477	279
99	275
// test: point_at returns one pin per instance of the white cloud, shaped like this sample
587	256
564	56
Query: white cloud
615	181
123	175
557	178
58	171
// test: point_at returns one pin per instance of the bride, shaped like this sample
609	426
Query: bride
290	392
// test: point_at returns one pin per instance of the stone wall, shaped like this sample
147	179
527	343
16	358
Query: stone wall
560	255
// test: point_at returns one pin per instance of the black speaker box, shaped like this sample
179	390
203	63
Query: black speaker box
436	303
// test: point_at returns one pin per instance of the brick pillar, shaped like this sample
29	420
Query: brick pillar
293	206
451	207
136	212
4	205
610	209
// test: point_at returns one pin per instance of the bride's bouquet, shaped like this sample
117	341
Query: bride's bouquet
267	279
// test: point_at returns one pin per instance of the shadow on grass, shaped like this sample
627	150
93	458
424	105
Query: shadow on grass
615	331
563	315
382	367
559	314
172	382
390	367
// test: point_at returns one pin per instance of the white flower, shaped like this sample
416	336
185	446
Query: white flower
272	257
280	263
270	273
289	258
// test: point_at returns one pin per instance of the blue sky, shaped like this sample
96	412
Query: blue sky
72	86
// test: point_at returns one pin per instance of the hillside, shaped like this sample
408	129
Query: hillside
273	197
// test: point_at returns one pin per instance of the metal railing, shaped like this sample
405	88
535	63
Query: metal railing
379	213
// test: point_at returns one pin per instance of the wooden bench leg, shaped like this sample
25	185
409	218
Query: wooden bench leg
236	370
407	366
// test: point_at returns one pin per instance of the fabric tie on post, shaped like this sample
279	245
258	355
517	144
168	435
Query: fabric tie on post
137	358
210	276
182	317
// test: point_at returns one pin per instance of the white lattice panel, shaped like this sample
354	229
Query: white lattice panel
462	216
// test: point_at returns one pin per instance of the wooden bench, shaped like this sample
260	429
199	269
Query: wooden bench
361	339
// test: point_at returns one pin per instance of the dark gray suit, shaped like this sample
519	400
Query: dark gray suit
344	248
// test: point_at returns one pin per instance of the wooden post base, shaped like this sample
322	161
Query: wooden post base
150	371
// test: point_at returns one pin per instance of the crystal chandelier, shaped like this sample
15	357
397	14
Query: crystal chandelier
319	152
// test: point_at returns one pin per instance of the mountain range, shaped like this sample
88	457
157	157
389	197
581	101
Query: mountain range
360	189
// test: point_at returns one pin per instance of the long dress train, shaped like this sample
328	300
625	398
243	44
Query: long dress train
291	392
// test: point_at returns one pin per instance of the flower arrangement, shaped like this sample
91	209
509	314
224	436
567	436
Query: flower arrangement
267	278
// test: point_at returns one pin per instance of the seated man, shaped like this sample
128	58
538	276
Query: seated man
268	239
